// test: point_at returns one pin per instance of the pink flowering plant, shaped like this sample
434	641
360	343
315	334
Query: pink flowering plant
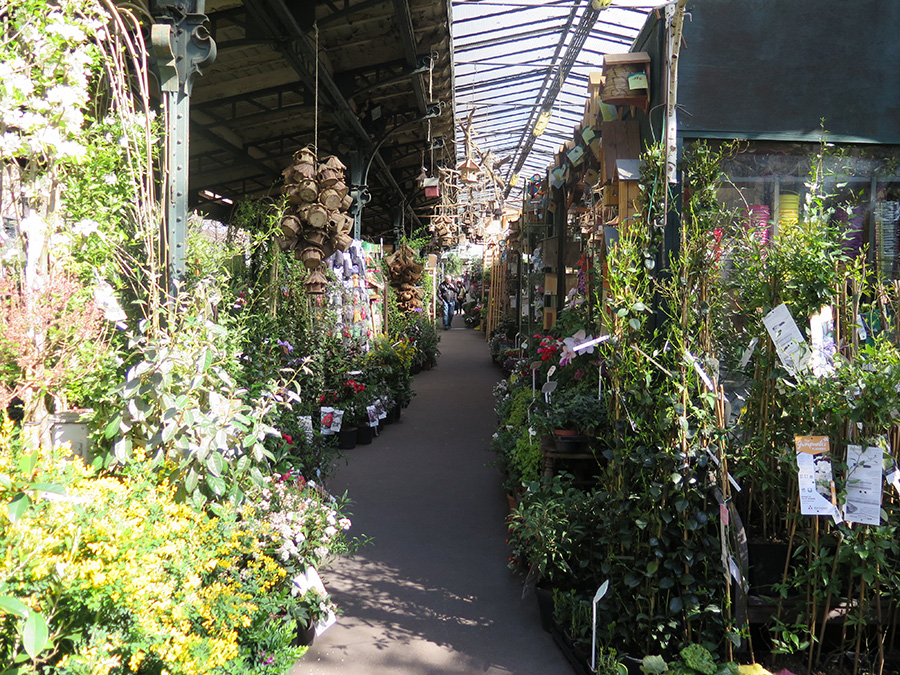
298	521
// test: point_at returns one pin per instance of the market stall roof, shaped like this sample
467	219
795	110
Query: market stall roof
517	58
376	68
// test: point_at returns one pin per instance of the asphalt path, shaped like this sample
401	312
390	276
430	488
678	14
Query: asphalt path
431	595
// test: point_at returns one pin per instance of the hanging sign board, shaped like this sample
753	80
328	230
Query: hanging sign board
864	471
789	343
815	478
576	155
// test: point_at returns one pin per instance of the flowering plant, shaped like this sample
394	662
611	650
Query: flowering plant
298	521
548	347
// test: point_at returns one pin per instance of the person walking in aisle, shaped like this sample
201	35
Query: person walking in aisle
447	293
460	294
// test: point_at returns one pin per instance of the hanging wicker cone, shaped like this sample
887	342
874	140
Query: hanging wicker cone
310	255
316	282
290	225
330	198
315	237
316	215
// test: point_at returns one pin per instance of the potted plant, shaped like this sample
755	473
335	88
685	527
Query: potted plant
572	417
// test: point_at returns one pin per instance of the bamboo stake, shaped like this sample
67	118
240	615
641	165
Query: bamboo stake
812	592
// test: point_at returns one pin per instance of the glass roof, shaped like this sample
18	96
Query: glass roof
515	58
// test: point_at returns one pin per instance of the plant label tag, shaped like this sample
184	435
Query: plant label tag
702	373
723	514
745	358
821	334
814	477
306	426
894	479
863	503
735	571
789	344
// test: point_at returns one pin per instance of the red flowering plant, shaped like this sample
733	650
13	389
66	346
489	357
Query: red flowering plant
353	398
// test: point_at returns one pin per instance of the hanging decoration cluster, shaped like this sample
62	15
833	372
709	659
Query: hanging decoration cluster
444	229
404	272
316	222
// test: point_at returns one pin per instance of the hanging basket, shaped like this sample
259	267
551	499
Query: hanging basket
301	192
287	243
330	198
346	203
311	256
316	215
290	225
342	241
314	237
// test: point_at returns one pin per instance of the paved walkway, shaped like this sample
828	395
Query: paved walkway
432	594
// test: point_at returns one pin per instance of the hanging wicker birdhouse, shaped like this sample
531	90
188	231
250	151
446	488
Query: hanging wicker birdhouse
316	282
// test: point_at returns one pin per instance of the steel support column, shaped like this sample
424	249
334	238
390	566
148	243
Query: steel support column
182	47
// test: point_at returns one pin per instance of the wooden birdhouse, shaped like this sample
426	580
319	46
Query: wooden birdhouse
316	282
432	186
627	79
468	171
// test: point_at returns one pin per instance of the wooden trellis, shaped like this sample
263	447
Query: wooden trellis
497	297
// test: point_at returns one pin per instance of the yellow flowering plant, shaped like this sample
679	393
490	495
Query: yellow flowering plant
110	573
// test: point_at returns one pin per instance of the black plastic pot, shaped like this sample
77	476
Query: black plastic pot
347	438
364	435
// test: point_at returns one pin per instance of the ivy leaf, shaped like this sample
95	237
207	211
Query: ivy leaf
191	480
35	634
14	606
217	484
17	506
675	605
215	464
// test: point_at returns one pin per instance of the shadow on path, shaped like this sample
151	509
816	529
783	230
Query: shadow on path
432	593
